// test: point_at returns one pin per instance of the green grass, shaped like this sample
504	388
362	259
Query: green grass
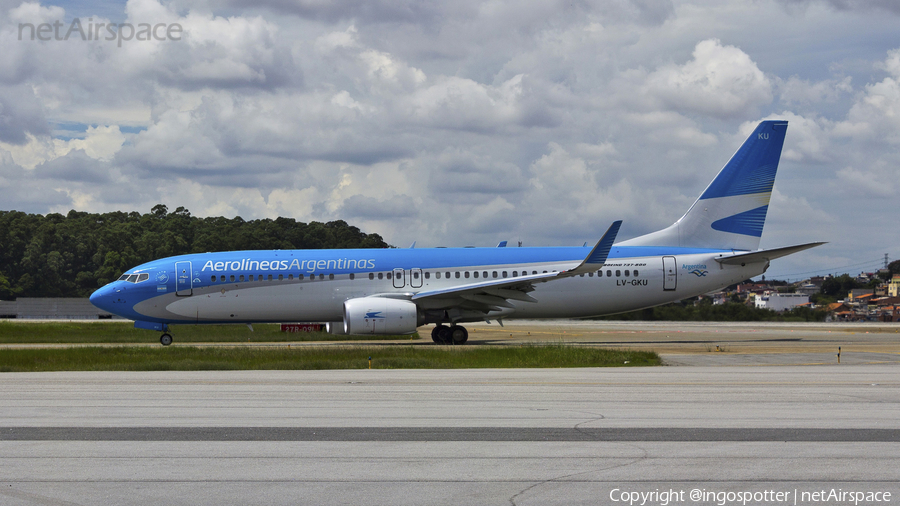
124	332
192	358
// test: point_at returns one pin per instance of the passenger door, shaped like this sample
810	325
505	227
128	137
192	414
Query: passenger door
183	279
670	273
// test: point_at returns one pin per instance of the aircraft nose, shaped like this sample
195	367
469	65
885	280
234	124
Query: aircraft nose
102	298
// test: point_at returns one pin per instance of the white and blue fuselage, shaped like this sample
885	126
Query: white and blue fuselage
312	285
385	291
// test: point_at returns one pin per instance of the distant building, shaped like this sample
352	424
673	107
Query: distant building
836	307
885	301
808	289
858	294
894	286
718	298
864	277
818	280
781	301
889	314
752	287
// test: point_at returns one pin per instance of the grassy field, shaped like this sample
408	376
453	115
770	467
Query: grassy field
191	358
124	332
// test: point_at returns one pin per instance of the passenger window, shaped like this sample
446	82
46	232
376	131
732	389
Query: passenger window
618	273
242	277
437	275
281	277
322	277
609	273
299	276
290	276
389	275
485	274
475	274
591	274
515	274
352	277
447	275
457	275
213	280
494	274
627	273
535	272
504	274
380	275
222	279
231	278
415	275
467	274
635	273
270	277
330	276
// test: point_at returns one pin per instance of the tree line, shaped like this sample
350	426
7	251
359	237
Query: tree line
71	256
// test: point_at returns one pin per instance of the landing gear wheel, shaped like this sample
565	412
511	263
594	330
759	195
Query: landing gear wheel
441	334
458	335
435	333
165	340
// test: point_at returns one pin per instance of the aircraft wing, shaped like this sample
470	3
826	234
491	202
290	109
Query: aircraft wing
496	293
769	254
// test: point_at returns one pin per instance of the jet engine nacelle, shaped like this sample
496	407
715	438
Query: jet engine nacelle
381	315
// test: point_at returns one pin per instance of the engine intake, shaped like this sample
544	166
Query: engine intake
380	315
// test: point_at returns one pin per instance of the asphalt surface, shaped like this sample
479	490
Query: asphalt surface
754	421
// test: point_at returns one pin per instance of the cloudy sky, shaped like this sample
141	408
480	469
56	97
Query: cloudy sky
460	123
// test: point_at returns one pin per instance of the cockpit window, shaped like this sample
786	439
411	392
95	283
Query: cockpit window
134	278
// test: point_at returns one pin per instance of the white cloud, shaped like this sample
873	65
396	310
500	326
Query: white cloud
802	91
458	122
720	81
875	117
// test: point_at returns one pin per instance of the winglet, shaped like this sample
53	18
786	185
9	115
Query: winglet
413	245
502	244
597	256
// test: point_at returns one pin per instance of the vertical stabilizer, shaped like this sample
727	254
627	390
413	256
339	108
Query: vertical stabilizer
731	212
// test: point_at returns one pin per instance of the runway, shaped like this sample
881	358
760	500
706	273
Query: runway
523	437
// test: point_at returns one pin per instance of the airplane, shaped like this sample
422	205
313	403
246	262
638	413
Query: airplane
396	291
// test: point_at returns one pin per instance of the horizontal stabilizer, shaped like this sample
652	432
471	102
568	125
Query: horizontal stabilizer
765	255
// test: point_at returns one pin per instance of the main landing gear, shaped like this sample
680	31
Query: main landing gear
455	334
166	339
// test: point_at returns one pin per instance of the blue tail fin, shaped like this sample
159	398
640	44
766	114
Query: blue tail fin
731	212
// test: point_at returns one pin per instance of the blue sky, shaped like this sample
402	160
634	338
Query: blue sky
462	123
